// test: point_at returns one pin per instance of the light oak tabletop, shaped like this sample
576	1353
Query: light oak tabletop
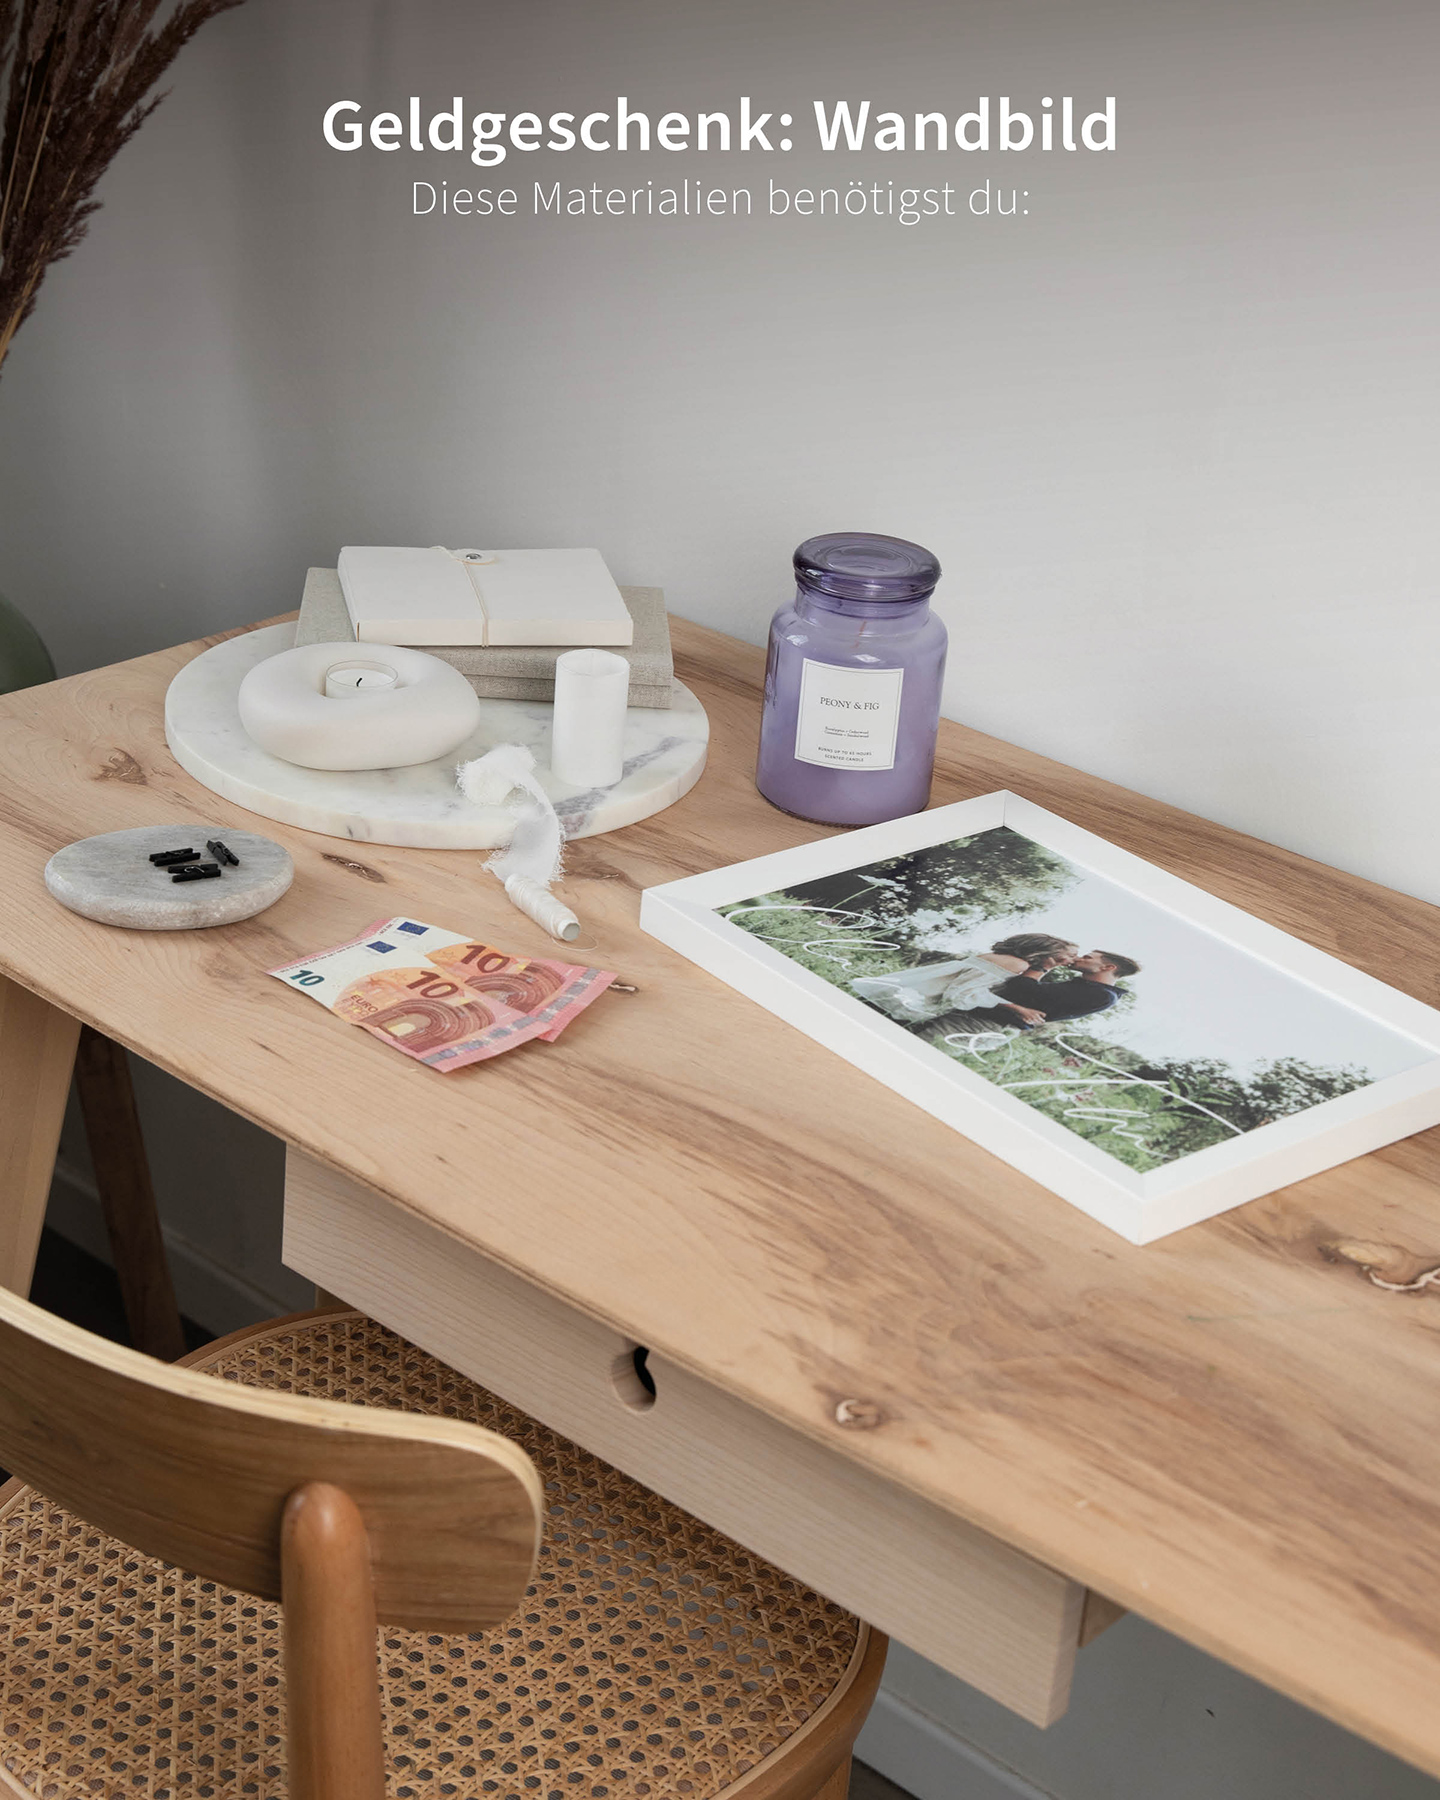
1230	1431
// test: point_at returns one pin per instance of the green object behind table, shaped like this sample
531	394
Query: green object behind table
24	660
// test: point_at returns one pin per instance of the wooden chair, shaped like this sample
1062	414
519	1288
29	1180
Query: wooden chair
141	1652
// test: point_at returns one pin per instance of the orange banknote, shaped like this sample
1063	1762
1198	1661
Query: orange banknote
444	999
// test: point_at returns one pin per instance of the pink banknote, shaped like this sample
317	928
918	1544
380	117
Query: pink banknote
444	999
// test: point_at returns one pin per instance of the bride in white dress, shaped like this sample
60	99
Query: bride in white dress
964	983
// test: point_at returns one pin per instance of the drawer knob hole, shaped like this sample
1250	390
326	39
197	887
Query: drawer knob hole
632	1380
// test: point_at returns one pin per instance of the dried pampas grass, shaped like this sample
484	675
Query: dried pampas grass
75	76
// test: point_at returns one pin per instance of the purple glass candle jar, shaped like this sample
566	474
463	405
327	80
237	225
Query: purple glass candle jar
852	685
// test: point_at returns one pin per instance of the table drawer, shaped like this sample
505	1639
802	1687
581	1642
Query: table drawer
989	1614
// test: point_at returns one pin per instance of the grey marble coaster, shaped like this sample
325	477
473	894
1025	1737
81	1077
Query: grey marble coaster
110	878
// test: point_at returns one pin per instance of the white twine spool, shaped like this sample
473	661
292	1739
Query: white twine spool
538	903
592	692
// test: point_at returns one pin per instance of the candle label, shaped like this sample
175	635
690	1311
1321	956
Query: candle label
848	718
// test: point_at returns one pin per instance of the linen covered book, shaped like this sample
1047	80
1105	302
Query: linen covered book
410	595
511	671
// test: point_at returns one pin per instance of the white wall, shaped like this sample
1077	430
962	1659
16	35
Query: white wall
1171	433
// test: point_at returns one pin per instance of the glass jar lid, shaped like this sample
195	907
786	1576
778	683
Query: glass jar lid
864	566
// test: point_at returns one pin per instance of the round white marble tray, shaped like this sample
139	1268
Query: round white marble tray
417	807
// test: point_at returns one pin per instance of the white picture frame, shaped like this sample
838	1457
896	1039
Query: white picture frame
1139	1206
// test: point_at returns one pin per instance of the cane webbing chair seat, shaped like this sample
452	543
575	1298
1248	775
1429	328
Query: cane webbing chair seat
652	1658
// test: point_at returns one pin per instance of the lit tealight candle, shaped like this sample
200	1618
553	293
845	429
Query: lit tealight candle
345	678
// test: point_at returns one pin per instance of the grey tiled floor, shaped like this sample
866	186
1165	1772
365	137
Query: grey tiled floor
865	1784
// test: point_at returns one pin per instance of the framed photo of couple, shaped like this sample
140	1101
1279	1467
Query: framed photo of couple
1149	1053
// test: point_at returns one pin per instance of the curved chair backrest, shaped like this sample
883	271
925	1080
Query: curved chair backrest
198	1471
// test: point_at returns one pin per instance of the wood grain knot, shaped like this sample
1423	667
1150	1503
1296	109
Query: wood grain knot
585	865
858	1415
356	868
1386	1266
122	766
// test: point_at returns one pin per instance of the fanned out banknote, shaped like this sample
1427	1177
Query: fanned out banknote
444	999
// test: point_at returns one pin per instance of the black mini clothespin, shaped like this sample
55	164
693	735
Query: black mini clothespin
163	858
222	853
196	872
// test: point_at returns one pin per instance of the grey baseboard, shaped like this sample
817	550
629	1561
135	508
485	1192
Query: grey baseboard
918	1754
213	1296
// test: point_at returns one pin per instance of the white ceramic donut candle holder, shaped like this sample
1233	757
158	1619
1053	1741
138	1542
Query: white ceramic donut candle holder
425	713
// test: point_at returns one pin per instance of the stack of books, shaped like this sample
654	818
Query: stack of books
512	671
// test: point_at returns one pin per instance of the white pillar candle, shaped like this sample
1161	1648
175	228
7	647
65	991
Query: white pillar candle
592	691
358	678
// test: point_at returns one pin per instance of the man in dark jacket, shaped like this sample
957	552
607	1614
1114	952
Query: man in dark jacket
1056	1000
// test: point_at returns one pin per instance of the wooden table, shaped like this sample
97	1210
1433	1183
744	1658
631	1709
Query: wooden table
1230	1431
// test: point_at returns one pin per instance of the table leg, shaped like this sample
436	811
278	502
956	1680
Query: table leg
122	1179
37	1053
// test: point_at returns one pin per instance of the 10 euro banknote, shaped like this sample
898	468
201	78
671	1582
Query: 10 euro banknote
445	999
